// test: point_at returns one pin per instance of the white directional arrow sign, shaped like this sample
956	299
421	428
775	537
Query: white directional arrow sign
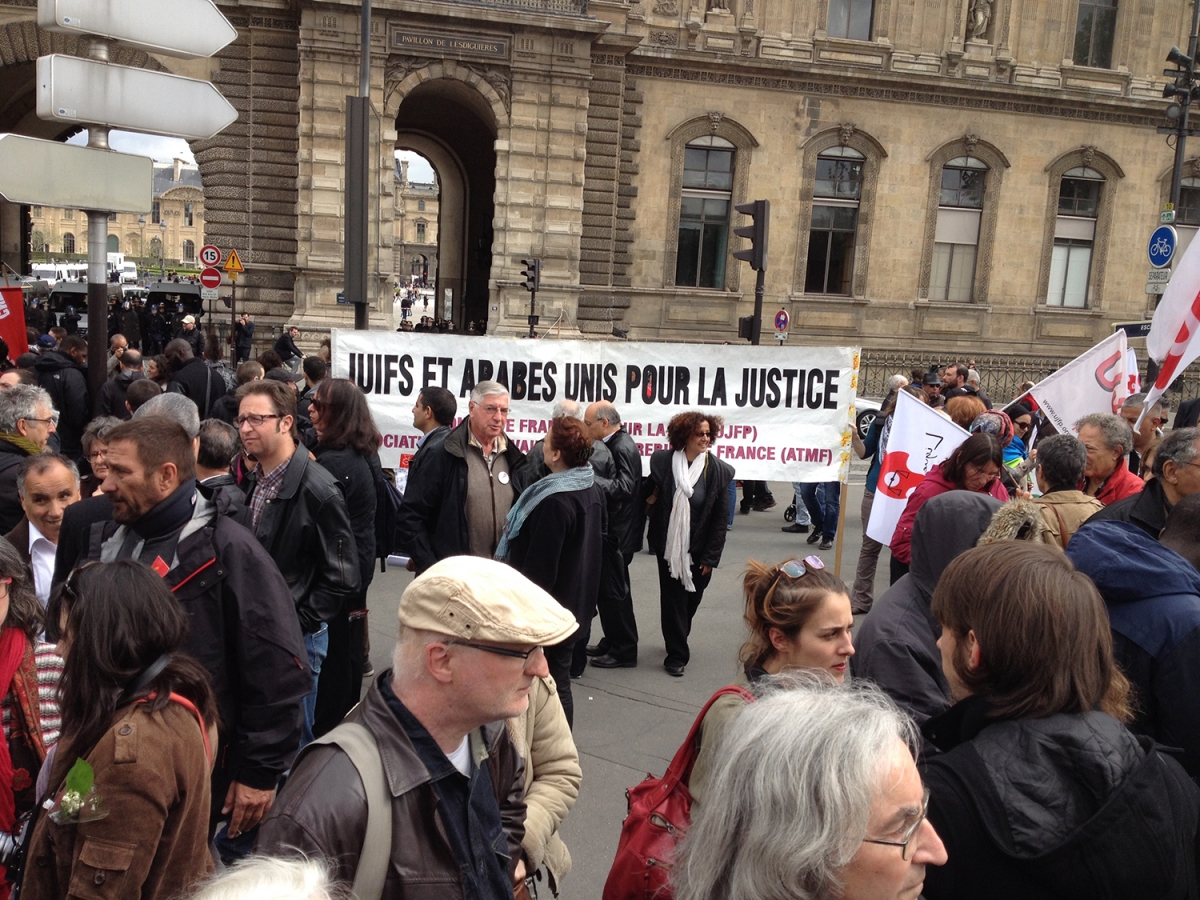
84	91
186	28
47	173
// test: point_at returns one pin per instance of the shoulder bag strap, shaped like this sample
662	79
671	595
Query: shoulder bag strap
359	744
685	757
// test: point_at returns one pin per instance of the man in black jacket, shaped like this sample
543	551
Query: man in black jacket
458	505
287	349
618	647
243	337
242	622
193	335
110	399
192	377
63	374
26	423
433	414
300	518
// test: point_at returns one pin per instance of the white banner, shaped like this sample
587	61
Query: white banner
1172	341
920	438
1094	382
787	411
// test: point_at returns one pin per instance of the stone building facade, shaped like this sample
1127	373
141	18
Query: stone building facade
975	176
414	229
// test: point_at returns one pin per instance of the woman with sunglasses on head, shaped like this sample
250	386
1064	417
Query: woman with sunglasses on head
688	507
29	674
1040	790
799	617
347	447
142	715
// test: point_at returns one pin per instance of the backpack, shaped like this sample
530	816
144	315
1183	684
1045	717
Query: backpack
387	516
660	810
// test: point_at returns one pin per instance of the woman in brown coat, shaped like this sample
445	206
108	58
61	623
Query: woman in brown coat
143	716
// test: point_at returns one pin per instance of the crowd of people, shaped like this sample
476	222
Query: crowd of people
183	646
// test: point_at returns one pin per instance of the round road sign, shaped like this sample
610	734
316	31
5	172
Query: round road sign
781	320
1162	246
210	278
210	255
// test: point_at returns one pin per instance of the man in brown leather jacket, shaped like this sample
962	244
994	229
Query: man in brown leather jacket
471	633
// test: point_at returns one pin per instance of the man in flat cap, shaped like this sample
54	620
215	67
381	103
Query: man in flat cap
471	637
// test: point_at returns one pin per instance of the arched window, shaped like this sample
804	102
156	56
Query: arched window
1074	237
420	232
68	243
956	240
704	212
114	244
837	192
189	251
134	244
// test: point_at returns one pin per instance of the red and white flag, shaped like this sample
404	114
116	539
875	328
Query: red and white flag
1173	341
920	438
1133	379
1094	382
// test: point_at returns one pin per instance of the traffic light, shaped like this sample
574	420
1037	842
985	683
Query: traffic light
532	274
759	212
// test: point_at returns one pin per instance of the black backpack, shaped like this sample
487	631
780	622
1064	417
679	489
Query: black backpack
387	515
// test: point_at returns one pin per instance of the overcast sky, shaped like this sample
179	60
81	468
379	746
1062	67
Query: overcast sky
165	149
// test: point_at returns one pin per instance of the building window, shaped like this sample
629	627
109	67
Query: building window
68	213
155	212
114	244
956	238
1188	210
112	217
836	194
189	251
704	212
1094	32
37	212
68	243
850	19
420	232
420	206
1079	196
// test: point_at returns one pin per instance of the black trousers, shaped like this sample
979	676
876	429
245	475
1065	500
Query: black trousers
678	606
340	682
558	658
755	492
616	607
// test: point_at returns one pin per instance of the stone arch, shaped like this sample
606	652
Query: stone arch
403	74
718	125
1092	158
991	155
848	135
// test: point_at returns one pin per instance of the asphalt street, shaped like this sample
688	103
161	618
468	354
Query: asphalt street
629	722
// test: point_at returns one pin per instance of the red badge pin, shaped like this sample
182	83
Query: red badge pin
160	567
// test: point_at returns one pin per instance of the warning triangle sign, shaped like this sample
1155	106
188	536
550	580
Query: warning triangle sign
234	263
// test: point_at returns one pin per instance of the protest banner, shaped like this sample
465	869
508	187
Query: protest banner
787	411
1093	382
920	438
1173	340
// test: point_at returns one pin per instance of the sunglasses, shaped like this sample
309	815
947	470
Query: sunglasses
797	568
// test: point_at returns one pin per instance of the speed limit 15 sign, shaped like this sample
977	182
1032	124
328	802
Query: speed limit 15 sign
210	255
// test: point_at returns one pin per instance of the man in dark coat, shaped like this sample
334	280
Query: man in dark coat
433	414
192	377
63	374
618	647
193	335
131	327
26	423
896	646
458	505
158	331
243	337
286	347
242	622
110	399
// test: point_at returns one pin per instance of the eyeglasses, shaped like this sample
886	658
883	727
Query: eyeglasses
254	419
796	568
910	832
492	410
1022	425
53	419
702	435
499	651
97	454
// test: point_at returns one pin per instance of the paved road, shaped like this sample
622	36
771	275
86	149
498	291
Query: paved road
631	721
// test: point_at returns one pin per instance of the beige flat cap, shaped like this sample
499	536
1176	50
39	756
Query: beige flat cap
479	599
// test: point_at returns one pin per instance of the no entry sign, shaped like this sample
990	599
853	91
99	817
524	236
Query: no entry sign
210	278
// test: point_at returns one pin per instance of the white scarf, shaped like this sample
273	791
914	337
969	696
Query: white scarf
679	528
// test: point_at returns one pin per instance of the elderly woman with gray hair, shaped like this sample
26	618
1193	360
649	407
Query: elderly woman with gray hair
814	796
1108	439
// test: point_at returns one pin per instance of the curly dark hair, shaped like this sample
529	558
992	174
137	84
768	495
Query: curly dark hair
570	438
681	426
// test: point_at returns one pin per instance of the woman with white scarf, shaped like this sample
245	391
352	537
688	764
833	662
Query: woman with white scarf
688	506
554	536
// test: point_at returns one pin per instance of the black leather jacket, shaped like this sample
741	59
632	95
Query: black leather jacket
306	529
625	517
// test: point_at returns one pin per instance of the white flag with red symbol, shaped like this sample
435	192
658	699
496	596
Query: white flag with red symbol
1174	338
1094	382
920	438
1133	379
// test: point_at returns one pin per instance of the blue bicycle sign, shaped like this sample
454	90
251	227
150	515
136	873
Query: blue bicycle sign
1162	246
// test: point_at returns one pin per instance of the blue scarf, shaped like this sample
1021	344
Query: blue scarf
574	479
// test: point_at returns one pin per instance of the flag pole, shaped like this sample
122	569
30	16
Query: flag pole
841	529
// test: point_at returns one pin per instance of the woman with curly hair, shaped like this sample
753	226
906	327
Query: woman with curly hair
688	506
554	536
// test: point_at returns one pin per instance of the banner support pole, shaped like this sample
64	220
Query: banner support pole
841	532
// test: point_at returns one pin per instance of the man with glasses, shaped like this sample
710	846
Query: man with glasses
470	646
1176	475
458	505
1152	425
299	515
27	419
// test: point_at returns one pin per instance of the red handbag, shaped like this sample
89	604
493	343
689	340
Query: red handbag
659	812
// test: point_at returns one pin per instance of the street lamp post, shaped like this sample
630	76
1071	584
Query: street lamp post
162	250
142	240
